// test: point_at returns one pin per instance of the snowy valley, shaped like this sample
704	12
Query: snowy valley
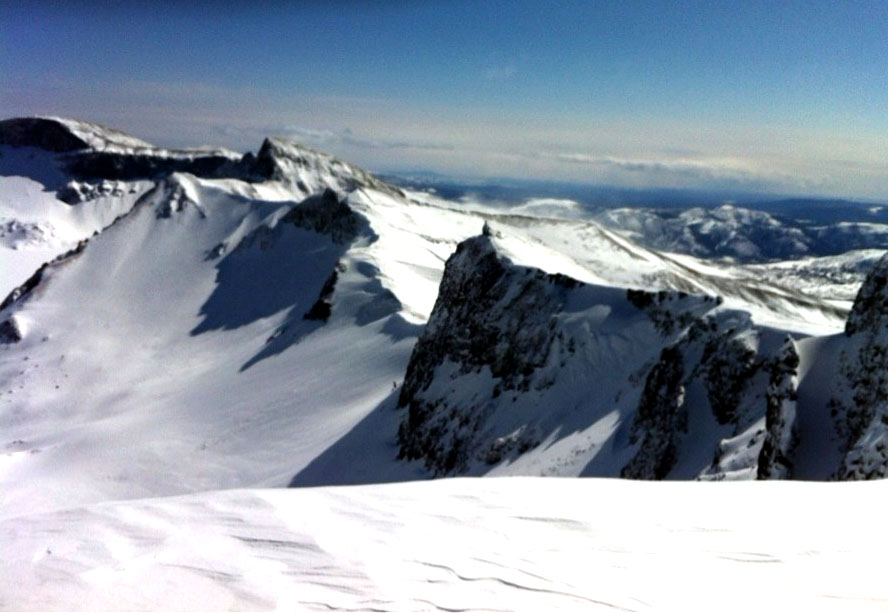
180	322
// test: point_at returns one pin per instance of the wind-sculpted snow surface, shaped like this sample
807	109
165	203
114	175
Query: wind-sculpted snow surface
517	544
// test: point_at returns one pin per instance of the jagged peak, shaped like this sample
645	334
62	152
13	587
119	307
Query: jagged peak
870	310
281	159
285	146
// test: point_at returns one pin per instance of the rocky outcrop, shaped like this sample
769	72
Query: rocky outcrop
665	309
501	332
129	166
718	354
860	399
660	418
326	213
306	169
489	315
76	192
870	311
781	437
323	306
10	331
41	133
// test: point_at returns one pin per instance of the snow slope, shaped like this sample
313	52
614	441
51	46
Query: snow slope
256	321
35	225
517	544
247	327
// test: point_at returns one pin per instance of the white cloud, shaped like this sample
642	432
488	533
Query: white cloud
716	169
346	137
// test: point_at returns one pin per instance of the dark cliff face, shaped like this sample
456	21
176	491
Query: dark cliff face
501	332
719	355
465	328
860	399
327	213
41	133
870	310
488	314
98	165
660	417
775	458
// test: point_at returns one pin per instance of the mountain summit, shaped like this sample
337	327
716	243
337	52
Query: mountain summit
181	320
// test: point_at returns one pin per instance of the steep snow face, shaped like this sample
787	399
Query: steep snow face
529	373
178	351
516	544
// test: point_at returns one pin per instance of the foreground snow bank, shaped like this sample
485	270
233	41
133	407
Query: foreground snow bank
525	544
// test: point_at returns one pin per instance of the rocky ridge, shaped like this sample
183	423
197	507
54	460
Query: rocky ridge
499	336
860	398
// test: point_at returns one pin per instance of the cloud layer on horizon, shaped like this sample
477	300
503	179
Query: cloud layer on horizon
387	135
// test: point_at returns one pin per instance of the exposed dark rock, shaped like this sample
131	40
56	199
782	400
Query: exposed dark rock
24	289
860	399
661	415
75	193
661	308
10	332
717	353
172	197
870	310
488	314
775	458
323	306
38	132
97	165
326	214
729	365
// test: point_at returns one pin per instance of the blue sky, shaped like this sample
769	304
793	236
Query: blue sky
776	96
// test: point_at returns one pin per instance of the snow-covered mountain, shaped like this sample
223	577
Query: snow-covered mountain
519	371
239	321
181	322
742	234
